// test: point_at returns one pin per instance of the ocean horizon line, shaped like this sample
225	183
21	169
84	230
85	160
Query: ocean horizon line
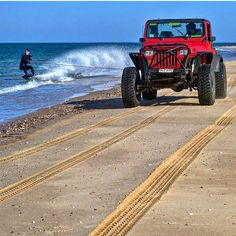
89	42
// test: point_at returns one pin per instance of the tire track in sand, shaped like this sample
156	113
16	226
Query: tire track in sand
121	220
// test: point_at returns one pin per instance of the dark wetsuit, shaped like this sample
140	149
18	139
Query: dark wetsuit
25	64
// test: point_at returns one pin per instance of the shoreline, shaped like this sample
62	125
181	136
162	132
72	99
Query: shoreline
21	126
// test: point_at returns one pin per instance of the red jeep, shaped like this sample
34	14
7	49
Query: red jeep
176	54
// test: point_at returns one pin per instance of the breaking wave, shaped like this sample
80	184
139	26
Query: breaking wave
88	63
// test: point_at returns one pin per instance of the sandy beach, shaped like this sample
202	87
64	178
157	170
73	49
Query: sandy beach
77	167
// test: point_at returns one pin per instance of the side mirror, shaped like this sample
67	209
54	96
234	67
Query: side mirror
142	40
213	38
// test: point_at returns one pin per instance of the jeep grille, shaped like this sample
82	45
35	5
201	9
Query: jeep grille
166	59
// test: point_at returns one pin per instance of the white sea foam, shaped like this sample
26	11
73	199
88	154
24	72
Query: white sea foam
21	87
228	49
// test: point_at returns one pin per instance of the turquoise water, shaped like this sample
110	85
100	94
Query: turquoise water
64	71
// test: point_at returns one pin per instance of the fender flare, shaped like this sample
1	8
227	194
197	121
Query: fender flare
215	63
135	57
213	59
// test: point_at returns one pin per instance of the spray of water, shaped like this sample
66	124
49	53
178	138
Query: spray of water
88	63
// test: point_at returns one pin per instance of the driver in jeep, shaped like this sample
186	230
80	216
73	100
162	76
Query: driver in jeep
191	29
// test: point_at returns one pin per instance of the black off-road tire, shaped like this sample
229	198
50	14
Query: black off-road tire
221	82
130	95
206	85
150	94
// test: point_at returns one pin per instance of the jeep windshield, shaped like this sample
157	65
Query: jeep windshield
175	30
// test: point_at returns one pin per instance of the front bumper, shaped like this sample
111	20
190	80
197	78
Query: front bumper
157	74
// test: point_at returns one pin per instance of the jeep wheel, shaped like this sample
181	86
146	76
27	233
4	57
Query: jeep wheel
130	94
221	82
149	94
206	85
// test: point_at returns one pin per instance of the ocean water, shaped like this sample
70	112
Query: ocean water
64	70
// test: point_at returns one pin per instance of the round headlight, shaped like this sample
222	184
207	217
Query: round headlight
183	52
149	53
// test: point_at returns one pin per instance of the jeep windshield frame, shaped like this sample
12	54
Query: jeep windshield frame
174	29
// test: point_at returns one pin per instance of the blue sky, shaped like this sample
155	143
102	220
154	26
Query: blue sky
104	21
